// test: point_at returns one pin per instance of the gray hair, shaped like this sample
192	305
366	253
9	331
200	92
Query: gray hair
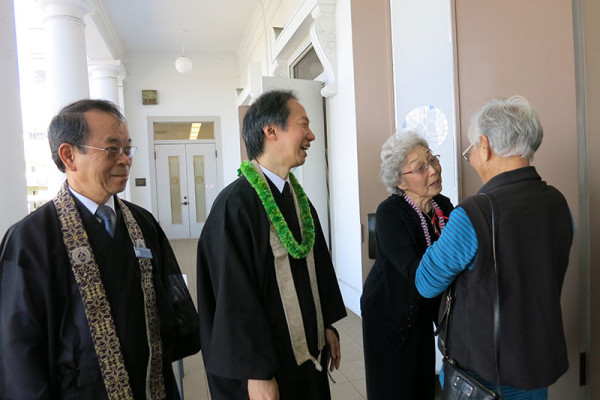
511	125
393	157
270	108
70	125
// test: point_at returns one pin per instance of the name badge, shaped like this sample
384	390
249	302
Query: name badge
142	252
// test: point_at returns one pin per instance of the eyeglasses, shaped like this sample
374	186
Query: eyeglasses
434	161
114	152
467	153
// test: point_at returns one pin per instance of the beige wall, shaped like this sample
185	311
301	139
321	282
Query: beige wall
591	96
374	102
516	47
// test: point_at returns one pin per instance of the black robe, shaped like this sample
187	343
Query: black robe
46	346
398	340
244	333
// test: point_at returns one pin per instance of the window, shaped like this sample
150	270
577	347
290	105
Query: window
307	66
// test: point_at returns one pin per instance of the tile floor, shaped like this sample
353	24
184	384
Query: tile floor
350	378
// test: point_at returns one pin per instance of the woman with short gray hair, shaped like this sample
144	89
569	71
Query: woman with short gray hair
524	259
397	322
511	125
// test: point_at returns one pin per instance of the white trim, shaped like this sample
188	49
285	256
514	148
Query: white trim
351	297
314	19
104	26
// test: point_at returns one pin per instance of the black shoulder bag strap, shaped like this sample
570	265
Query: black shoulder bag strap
449	298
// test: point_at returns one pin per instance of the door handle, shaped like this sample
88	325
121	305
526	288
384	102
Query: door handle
185	203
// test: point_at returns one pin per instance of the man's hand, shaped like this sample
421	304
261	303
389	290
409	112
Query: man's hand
263	390
335	354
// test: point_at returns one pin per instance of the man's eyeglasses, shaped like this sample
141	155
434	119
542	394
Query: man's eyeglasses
434	161
467	153
114	152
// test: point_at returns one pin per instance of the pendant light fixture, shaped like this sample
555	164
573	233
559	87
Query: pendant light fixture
183	64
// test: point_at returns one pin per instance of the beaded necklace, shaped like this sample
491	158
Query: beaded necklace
437	212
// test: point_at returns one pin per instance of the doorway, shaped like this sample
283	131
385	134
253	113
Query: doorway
186	176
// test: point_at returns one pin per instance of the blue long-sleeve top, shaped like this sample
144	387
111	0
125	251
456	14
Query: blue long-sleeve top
452	253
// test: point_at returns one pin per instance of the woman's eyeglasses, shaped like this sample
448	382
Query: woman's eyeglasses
434	161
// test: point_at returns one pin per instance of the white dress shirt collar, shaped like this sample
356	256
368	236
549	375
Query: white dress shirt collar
92	205
278	181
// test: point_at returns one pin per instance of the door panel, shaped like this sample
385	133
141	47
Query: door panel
171	181
186	177
202	184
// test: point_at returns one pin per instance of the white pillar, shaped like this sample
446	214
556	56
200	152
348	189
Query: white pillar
106	82
105	77
13	184
67	73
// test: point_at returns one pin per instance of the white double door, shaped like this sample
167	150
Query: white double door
186	176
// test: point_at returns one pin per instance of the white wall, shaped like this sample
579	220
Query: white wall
343	167
341	131
424	77
209	90
256	46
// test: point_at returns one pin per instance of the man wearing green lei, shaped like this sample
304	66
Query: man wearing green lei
267	290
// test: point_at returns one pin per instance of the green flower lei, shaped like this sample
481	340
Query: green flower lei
281	227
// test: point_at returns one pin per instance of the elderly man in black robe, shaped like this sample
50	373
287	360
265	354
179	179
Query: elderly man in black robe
268	293
92	302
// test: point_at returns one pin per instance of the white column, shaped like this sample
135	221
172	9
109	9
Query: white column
13	184
105	77
106	82
67	73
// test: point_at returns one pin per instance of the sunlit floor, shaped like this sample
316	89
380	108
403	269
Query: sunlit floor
350	378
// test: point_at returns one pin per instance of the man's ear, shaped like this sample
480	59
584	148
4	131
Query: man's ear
270	132
484	147
66	152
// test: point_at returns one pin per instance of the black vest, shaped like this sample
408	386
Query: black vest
534	237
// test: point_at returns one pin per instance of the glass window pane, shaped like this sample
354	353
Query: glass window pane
308	67
184	130
175	189
199	188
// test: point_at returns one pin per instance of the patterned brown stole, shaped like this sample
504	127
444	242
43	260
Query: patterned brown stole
97	307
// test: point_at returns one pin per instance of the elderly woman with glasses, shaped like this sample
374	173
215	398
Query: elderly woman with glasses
397	321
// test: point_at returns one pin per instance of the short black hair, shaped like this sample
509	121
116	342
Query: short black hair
270	108
70	125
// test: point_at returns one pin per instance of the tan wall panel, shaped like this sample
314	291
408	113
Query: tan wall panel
591	32
516	47
374	102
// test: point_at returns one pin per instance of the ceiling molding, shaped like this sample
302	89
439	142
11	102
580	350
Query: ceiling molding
104	26
317	19
257	31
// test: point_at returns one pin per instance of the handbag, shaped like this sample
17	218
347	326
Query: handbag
458	385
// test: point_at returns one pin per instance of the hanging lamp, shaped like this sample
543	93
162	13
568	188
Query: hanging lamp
183	64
